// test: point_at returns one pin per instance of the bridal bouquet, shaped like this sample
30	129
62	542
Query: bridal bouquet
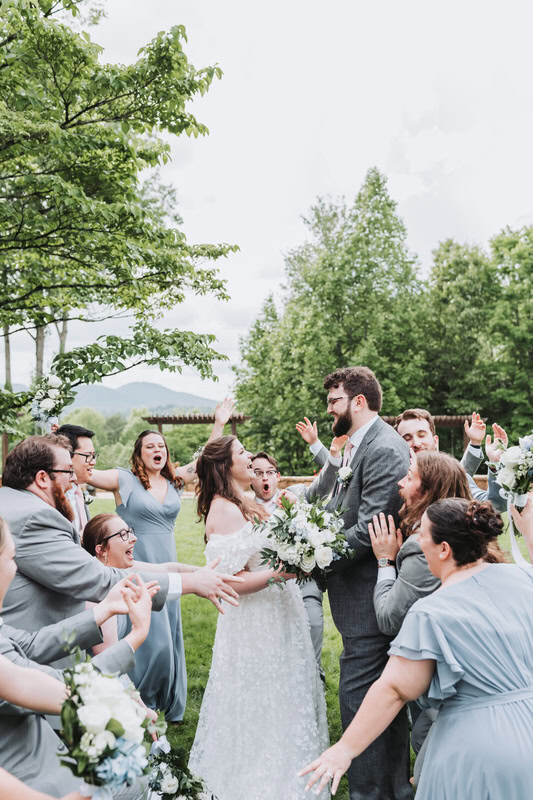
103	726
515	472
51	396
303	536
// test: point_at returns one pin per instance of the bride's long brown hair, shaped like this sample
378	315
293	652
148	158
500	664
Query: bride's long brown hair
215	480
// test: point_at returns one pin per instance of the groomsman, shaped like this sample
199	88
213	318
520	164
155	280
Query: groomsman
83	460
55	576
417	427
266	490
378	458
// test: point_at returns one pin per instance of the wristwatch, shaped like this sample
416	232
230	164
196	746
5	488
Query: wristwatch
386	562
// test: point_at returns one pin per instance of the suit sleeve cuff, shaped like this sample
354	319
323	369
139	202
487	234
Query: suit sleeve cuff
316	447
174	586
386	574
475	450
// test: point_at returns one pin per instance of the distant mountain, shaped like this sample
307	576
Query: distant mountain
152	396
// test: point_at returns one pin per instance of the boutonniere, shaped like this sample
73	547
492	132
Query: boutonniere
343	475
87	497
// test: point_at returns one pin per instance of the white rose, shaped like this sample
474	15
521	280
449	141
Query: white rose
53	393
344	472
511	457
54	381
283	552
94	717
47	404
126	714
169	784
506	477
308	563
316	536
103	740
324	557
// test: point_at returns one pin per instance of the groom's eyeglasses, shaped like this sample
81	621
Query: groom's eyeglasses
66	471
269	473
90	458
124	534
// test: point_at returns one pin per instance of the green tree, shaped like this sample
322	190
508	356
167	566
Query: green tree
76	227
353	297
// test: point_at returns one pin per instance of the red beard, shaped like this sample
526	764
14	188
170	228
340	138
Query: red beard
61	502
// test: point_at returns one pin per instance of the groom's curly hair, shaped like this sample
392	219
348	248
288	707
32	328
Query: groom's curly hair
356	380
215	479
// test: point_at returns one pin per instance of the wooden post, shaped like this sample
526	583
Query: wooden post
234	427
5	448
160	428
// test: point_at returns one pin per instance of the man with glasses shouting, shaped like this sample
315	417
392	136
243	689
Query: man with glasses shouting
83	460
55	576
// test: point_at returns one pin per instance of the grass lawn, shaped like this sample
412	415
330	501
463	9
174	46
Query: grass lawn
199	622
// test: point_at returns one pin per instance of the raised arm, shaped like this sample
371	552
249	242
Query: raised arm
105	479
223	413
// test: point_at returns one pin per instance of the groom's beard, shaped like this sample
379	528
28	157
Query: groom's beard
342	424
62	503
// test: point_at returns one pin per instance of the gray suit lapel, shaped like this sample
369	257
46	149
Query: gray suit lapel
369	437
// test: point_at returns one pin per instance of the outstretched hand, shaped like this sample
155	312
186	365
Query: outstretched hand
494	449
214	585
224	410
475	430
114	602
308	431
330	766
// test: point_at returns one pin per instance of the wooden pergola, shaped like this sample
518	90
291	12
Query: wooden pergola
193	419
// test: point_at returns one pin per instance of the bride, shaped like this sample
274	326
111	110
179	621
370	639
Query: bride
263	711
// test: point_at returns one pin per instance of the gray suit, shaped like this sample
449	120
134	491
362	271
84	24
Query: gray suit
394	598
30	746
470	464
380	461
55	576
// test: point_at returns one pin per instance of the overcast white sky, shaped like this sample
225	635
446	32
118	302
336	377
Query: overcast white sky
435	94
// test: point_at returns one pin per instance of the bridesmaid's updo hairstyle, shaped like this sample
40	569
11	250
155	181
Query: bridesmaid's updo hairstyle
137	464
215	479
468	527
95	532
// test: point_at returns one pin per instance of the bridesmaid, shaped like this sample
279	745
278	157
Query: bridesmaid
148	499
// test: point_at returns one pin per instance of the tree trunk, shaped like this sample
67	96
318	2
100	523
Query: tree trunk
62	333
40	333
8	386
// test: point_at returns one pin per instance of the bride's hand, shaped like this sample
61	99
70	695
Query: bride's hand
330	766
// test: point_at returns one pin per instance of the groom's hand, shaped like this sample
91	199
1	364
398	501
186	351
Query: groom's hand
214	586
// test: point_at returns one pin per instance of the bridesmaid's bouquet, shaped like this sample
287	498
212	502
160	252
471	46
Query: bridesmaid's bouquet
103	726
515	472
51	396
303	537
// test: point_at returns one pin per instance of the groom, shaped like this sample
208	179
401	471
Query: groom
378	458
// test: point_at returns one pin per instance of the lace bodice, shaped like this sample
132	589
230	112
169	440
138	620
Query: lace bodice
237	551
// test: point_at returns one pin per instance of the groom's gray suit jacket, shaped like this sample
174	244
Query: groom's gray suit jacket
380	461
29	746
55	575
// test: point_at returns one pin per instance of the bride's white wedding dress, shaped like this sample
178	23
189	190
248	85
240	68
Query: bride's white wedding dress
263	715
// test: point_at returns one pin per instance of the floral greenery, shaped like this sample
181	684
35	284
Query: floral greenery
515	472
304	536
171	777
51	397
103	728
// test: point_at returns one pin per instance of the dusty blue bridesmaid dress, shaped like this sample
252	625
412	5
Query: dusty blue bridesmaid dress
480	633
160	673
